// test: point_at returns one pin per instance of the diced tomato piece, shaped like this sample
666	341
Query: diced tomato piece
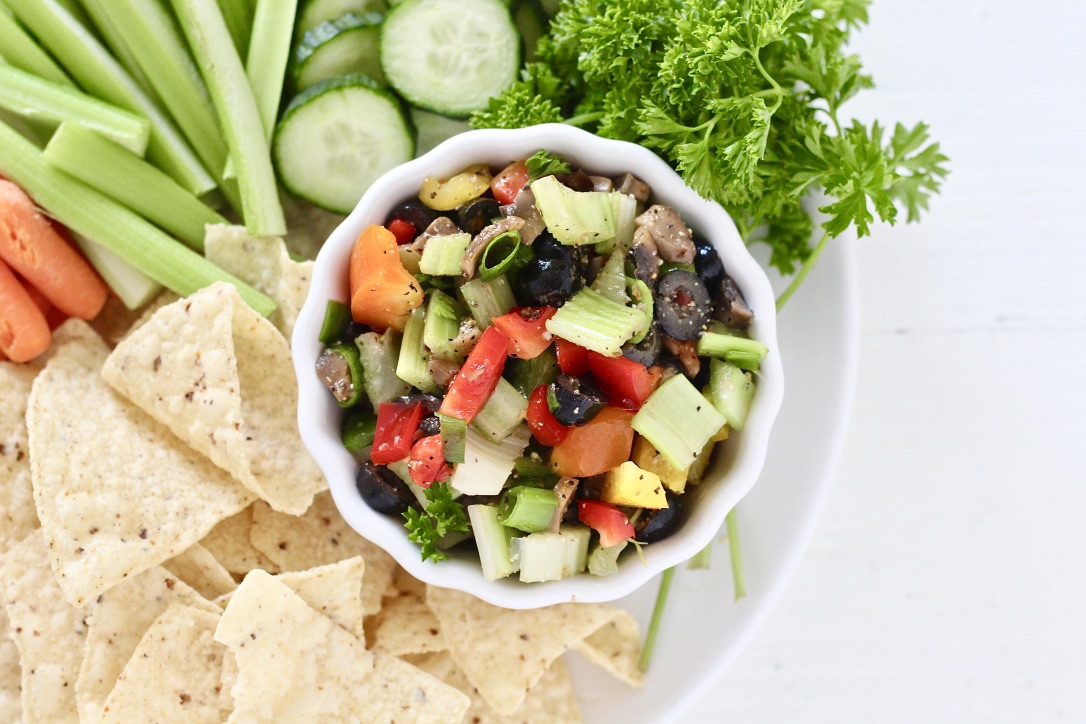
383	292
426	463
474	383
607	520
572	357
397	423
597	446
627	383
508	183
541	422
404	231
526	328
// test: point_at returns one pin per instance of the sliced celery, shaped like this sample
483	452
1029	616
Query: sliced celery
454	434
100	75
106	222
269	50
595	322
502	413
379	354
146	27
604	561
547	556
526	508
132	287
487	465
219	63
625	209
487	300
611	281
411	363
492	539
678	421
132	181
442	254
442	326
32	97
731	391
741	351
574	217
109	30
21	51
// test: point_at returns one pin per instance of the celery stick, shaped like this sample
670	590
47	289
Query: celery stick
147	28
611	281
678	421
109	30
238	17
34	98
526	508
132	287
99	74
412	362
269	50
487	300
209	40
442	326
502	413
741	351
596	323
492	540
23	52
133	182
87	212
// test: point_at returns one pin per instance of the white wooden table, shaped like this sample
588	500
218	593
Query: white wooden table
946	580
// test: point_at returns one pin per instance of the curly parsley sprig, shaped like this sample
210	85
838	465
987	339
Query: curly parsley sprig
443	516
744	99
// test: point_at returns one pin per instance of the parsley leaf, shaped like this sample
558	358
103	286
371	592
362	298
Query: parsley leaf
544	163
744	99
443	516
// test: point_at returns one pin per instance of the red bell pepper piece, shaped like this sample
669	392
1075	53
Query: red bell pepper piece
404	231
541	422
475	382
397	424
572	357
426	462
627	383
509	181
526	328
607	520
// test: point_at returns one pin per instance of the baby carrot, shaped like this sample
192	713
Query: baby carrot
24	333
33	248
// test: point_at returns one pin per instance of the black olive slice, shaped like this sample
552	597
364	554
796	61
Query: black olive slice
476	215
574	400
707	264
548	282
655	525
682	304
382	490
647	351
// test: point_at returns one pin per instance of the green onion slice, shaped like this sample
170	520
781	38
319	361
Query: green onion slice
337	317
504	254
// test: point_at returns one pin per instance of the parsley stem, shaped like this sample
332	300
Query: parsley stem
772	81
657	617
803	271
583	119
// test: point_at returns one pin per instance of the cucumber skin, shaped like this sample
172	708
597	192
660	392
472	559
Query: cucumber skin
398	8
349	80
314	38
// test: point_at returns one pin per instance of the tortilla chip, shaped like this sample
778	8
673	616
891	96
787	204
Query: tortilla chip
198	568
118	620
264	263
551	700
313	670
10	689
229	543
175	673
616	648
406	625
220	377
334	591
47	630
17	514
318	538
505	652
115	491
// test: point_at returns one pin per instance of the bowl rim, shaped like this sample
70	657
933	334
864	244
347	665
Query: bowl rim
318	415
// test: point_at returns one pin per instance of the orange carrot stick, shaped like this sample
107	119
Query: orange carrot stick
30	245
24	333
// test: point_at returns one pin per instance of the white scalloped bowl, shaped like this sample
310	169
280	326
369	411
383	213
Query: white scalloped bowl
733	473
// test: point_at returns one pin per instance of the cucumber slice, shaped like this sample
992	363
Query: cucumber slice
337	137
450	57
347	44
432	129
315	12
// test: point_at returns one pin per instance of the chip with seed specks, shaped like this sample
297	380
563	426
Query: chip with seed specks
17	515
11	709
197	567
116	492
